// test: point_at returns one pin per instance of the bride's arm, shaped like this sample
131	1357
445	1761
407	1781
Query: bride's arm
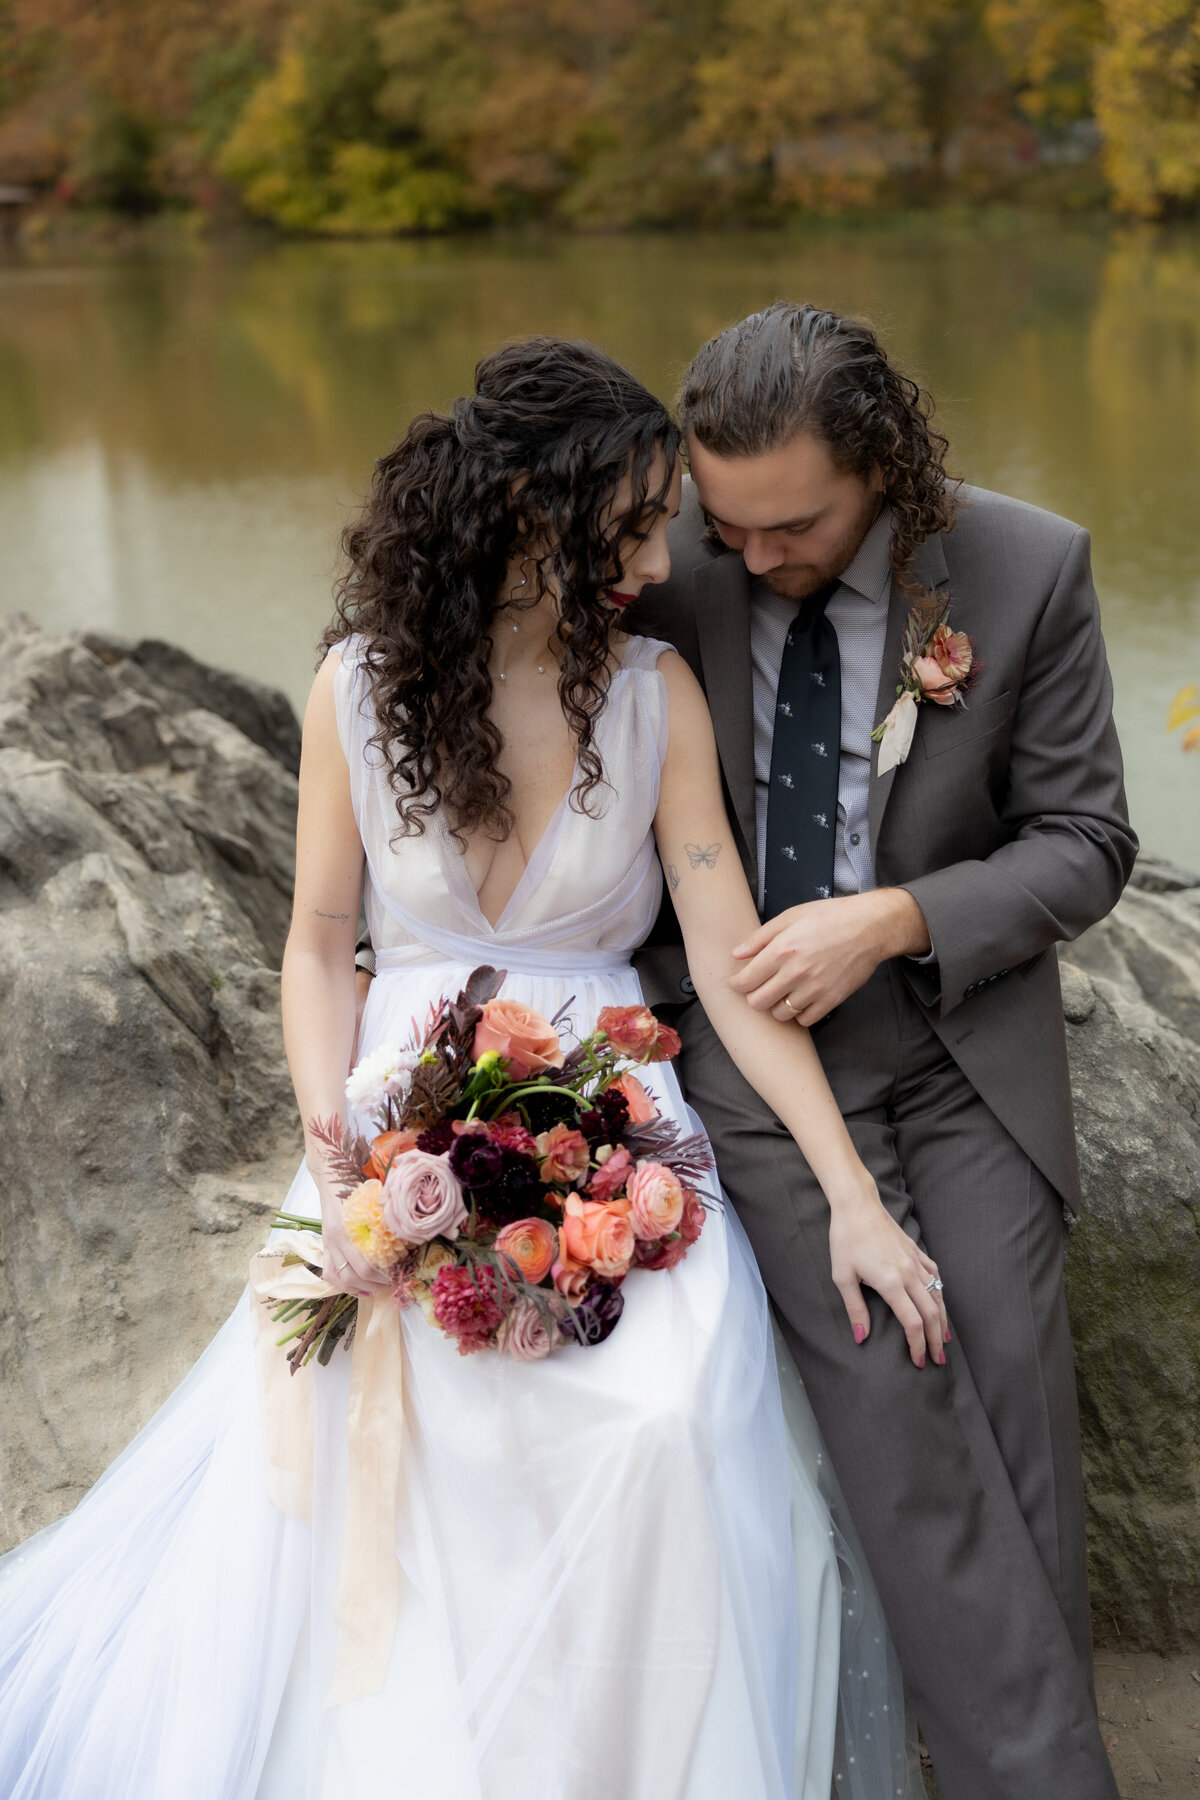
319	1003
716	911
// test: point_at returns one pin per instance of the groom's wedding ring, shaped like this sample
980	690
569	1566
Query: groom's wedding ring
794	1010
933	1285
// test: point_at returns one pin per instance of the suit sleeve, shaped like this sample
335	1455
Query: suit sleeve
1072	849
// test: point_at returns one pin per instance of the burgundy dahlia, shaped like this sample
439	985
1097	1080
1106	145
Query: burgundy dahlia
476	1160
466	1307
435	1140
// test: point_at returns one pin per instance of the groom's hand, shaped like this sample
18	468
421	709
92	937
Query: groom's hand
807	960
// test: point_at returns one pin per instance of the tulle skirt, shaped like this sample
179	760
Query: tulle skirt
624	1577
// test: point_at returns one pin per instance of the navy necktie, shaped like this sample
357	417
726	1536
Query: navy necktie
805	756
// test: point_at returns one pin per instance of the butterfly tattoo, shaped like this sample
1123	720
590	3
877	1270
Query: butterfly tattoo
707	855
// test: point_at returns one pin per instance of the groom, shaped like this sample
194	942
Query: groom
910	920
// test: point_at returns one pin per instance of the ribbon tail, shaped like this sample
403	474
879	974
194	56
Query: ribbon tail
287	1399
898	728
370	1576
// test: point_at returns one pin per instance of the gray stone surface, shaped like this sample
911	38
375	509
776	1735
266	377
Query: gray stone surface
1131	993
147	810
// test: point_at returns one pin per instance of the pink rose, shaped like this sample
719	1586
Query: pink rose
570	1278
525	1334
611	1176
423	1198
527	1041
531	1245
599	1236
563	1155
935	684
641	1107
656	1196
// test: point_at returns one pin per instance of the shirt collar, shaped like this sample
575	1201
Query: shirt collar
870	573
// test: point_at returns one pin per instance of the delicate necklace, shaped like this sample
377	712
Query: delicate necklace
541	668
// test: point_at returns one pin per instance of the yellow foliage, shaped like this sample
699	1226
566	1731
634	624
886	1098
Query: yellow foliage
1184	707
1147	84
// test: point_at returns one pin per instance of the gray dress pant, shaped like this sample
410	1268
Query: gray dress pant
964	1482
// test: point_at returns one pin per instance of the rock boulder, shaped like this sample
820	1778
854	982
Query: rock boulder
147	812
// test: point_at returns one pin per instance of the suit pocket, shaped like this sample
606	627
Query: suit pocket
945	729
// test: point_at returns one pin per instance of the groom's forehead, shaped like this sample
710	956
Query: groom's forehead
790	485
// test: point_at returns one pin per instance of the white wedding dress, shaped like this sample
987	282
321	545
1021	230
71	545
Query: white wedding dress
622	1580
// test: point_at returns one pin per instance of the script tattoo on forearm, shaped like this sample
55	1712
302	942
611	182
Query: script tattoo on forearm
703	855
339	918
673	876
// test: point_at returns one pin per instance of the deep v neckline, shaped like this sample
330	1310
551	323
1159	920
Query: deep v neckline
539	857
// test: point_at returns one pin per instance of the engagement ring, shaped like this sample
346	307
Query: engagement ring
933	1285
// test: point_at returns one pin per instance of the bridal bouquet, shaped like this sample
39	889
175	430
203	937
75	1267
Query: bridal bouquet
507	1185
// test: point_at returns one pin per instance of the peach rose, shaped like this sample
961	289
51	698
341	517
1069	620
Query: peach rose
386	1148
527	1041
641	1106
935	684
610	1178
600	1236
563	1155
631	1030
362	1216
656	1196
531	1245
952	652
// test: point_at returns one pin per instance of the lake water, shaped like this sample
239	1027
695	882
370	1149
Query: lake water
182	434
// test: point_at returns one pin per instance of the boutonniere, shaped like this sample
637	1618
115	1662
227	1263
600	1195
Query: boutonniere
937	664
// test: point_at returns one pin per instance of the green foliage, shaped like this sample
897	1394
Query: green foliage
387	116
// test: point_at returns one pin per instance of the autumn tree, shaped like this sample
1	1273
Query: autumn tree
1147	97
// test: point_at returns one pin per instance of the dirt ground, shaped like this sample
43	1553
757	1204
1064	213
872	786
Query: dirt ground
1150	1716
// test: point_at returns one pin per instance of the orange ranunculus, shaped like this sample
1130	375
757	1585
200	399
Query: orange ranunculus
666	1045
656	1196
631	1030
641	1107
600	1236
563	1155
386	1148
527	1041
531	1245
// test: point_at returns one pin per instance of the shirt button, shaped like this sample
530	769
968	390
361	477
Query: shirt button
854	837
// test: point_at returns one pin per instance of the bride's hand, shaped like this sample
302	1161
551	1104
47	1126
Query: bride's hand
867	1246
341	1265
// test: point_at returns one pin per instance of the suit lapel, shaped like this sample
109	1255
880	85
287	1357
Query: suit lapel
722	594
930	570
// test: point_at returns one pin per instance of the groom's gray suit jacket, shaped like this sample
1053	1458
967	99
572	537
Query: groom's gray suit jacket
1007	823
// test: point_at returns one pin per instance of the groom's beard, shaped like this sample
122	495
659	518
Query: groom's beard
796	581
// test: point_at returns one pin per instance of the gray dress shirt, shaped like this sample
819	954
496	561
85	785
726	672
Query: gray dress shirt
858	612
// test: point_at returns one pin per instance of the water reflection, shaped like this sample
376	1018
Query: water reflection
180	437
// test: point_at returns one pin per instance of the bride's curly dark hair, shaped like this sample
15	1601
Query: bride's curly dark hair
529	465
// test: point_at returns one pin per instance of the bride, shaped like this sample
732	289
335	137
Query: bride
621	1576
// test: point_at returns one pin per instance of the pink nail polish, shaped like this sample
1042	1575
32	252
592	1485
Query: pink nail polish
860	1332
921	1364
947	1337
940	1358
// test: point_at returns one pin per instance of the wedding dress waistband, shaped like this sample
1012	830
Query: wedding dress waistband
560	965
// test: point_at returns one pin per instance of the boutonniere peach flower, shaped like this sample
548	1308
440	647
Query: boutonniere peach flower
936	664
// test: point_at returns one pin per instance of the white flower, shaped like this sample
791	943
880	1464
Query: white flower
379	1077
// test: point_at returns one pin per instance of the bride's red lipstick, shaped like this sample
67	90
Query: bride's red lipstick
620	601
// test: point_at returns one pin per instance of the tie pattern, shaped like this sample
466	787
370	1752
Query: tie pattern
805	754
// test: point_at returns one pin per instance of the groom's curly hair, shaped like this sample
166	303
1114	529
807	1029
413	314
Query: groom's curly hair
793	368
529	465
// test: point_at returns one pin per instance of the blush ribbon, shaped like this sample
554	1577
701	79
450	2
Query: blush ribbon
369	1574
